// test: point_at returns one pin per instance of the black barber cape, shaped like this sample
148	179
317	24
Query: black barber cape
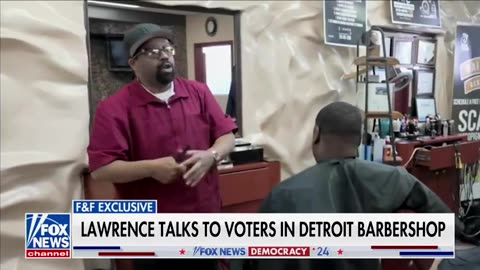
343	186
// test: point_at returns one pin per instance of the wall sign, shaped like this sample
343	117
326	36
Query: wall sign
466	87
344	21
416	12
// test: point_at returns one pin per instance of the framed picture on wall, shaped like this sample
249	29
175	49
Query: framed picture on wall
425	81
426	52
402	50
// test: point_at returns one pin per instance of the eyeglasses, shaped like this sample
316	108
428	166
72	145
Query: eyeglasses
157	53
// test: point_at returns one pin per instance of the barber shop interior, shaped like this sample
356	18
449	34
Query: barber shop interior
245	108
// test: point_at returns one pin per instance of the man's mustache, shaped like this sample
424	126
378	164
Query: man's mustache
165	65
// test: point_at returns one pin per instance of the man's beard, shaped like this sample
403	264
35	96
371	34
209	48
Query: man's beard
164	77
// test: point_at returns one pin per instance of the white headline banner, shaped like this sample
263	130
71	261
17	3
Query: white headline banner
262	229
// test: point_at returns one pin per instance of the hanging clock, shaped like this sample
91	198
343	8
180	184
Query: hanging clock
211	26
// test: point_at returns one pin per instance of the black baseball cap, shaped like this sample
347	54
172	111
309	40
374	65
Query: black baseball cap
141	33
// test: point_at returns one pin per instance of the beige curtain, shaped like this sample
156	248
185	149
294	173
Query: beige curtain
44	119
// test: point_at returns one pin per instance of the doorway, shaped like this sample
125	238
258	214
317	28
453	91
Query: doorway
214	67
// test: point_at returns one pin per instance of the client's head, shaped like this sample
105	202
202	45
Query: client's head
337	132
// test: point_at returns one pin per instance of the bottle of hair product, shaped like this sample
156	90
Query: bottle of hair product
397	126
444	128
403	128
378	144
387	149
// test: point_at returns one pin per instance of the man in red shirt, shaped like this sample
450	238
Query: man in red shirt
140	133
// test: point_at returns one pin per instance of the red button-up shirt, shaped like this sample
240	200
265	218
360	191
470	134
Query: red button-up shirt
134	125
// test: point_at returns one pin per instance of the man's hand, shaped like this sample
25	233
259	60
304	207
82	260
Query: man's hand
166	169
199	163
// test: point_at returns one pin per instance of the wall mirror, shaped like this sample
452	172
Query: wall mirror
207	43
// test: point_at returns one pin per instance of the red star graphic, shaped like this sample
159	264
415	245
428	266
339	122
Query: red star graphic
340	252
182	251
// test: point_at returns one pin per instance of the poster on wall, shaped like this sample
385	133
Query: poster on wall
344	22
416	12
466	88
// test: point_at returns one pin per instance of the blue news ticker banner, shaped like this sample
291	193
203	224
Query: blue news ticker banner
114	207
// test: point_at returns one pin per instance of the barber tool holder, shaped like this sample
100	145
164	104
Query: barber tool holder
406	148
372	60
432	161
438	162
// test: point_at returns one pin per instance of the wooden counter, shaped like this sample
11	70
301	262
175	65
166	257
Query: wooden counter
406	148
242	189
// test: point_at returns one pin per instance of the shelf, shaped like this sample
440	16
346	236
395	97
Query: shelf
378	115
376	61
353	74
384	83
369	62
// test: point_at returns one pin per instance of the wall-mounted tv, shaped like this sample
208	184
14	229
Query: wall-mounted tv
117	54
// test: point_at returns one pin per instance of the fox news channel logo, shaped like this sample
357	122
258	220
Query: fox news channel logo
47	236
219	251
